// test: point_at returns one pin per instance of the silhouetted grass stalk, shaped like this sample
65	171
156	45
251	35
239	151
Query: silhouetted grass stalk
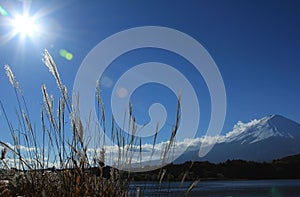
71	155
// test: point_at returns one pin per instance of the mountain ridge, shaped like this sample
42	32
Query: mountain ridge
265	139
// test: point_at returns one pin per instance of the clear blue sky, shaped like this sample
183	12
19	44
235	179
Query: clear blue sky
255	44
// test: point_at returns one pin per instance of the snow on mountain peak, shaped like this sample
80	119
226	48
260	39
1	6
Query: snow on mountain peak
262	139
257	130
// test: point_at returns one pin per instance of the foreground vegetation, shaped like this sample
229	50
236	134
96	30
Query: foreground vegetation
25	164
60	164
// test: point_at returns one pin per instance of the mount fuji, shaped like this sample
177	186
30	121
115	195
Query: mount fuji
266	139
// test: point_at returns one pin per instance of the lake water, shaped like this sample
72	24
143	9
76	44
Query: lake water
220	188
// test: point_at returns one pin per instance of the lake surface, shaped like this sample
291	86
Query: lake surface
219	188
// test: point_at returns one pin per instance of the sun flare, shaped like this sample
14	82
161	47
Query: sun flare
25	25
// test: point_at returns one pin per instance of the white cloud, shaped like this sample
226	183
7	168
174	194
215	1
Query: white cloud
118	155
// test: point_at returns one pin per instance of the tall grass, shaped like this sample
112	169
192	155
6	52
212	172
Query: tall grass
29	162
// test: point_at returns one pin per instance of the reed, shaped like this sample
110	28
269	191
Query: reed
58	165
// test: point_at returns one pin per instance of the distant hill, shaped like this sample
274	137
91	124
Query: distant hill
294	159
285	168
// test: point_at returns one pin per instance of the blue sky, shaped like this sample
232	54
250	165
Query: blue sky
255	45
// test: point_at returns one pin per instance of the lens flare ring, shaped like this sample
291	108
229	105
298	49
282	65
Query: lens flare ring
159	37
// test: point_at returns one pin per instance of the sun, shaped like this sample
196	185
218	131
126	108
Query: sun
25	25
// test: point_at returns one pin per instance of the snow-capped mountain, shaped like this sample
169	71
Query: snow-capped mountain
265	139
258	130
